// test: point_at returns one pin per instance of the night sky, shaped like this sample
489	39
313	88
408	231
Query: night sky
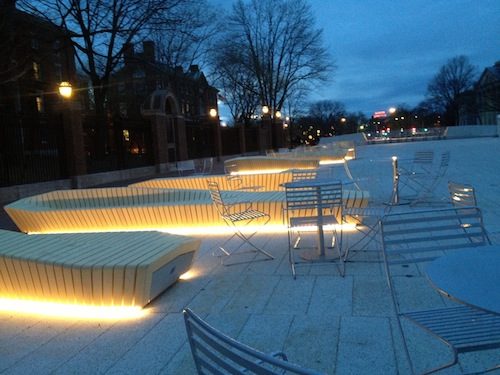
387	51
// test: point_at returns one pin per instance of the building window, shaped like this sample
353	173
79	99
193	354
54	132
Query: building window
39	103
36	70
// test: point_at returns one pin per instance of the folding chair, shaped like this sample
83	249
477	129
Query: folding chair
310	206
462	195
424	182
185	167
216	353
237	215
422	236
204	167
367	217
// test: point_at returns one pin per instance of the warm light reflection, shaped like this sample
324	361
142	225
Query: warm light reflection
69	311
189	275
333	161
199	230
261	171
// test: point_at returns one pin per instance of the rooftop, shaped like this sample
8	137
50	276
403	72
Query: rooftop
339	325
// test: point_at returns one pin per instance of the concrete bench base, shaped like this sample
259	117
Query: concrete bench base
102	269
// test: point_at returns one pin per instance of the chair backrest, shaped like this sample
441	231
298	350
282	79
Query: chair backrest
184	166
303	196
421	236
304	174
462	195
213	188
216	353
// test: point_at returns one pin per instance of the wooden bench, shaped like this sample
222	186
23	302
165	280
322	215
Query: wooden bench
111	269
133	209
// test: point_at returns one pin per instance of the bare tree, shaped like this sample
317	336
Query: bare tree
327	109
275	43
185	43
453	79
101	30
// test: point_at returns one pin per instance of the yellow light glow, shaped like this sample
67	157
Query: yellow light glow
213	112
331	161
71	311
265	109
189	275
65	90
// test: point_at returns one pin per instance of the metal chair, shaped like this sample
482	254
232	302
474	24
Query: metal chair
185	167
216	353
422	236
366	217
313	207
204	167
424	182
237	215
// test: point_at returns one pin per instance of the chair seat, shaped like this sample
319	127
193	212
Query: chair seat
464	327
249	214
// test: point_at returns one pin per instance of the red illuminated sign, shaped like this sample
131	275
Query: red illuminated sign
379	114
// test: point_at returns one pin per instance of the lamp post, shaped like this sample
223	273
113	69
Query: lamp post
73	134
214	119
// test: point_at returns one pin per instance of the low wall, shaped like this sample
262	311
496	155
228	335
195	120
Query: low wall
471	131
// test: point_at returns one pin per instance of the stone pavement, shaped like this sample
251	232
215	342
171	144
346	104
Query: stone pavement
339	325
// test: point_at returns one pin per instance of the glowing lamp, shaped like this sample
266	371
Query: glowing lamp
65	90
213	112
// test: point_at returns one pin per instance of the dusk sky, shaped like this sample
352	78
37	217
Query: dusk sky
387	51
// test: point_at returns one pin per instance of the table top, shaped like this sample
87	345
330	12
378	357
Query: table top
471	276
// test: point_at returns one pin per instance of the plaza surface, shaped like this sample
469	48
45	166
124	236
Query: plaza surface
334	324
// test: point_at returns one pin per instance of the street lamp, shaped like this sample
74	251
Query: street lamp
265	109
65	89
213	112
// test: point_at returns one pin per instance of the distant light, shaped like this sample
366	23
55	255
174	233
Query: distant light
343	119
65	90
278	114
223	124
265	109
213	112
392	110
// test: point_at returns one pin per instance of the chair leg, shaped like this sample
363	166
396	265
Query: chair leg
245	239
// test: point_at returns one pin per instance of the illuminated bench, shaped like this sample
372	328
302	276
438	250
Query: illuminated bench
268	164
329	153
132	209
264	181
103	269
